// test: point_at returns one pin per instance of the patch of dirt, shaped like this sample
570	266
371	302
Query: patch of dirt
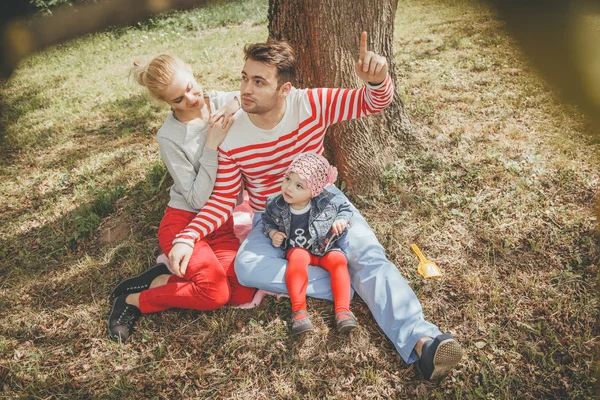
114	228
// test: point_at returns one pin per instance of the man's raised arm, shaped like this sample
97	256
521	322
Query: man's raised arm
334	105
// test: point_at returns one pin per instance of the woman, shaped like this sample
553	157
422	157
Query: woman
188	142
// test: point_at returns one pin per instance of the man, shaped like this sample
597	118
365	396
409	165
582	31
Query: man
278	123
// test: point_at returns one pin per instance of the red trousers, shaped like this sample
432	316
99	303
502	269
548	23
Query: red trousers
296	277
209	282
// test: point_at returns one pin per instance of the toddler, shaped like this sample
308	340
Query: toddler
306	221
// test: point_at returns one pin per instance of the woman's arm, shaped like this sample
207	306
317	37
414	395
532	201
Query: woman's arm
195	187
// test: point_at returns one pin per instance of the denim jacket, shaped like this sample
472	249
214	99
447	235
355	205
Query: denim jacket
326	208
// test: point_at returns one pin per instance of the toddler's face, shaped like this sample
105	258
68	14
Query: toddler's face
295	191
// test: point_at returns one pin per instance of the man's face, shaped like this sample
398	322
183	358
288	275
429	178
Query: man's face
259	87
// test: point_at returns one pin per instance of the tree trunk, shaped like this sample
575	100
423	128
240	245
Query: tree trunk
325	35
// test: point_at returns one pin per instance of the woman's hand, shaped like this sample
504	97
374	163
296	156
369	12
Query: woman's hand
179	257
338	226
225	113
277	237
217	133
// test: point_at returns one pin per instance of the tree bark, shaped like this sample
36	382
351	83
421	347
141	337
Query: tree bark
325	35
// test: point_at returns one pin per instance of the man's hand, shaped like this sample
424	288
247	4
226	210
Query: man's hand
338	226
179	257
277	237
370	67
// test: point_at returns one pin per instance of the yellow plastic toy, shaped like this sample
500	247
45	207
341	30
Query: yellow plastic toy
426	268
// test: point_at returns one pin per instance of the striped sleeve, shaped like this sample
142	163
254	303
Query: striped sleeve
335	105
219	207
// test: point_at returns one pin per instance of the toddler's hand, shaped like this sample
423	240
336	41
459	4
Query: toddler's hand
338	226
277	238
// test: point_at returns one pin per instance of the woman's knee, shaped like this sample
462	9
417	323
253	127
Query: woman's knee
222	295
211	295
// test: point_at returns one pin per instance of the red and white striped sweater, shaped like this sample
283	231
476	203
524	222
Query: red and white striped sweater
261	157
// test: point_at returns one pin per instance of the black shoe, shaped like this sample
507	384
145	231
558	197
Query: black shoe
122	319
141	282
439	356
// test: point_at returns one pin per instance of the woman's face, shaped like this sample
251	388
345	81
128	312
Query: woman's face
184	93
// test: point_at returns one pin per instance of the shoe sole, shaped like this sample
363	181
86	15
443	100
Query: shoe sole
447	355
307	327
116	338
110	335
347	327
299	332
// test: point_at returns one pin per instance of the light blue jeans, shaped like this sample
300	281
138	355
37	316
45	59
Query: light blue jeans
374	278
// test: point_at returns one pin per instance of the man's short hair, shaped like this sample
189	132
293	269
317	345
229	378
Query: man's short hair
276	53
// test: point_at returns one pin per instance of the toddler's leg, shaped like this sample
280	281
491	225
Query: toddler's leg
296	277
258	264
335	262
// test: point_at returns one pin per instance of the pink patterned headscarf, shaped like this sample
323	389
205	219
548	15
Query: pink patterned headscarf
315	170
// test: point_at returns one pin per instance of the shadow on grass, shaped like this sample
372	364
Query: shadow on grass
55	245
105	126
132	123
135	115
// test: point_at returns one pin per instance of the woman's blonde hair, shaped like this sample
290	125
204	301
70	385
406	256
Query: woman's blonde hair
157	74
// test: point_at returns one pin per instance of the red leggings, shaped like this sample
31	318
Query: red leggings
296	277
209	282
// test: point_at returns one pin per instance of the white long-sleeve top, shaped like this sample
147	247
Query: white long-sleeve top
192	167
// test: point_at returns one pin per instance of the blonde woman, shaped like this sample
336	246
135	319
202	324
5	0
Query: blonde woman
188	141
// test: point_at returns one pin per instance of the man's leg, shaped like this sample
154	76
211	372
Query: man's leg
378	282
258	264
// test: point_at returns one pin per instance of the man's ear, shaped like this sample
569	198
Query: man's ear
285	89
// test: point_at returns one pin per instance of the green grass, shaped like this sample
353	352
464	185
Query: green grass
497	186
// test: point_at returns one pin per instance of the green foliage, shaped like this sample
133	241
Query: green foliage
47	5
221	13
155	179
87	218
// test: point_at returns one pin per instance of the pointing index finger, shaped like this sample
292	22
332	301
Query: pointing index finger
363	45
